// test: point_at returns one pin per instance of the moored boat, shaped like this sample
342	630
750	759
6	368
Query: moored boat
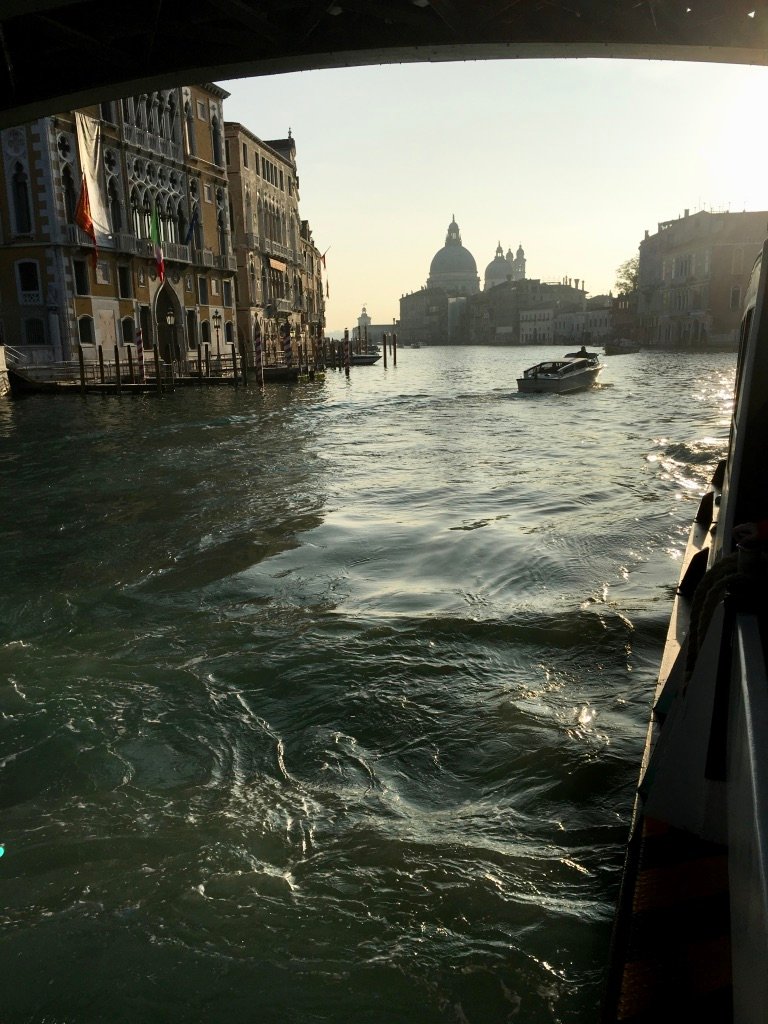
691	932
560	376
364	358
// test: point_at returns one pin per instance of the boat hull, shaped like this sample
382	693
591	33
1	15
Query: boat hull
554	385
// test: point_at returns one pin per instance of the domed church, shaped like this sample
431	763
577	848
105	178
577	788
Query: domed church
505	268
453	267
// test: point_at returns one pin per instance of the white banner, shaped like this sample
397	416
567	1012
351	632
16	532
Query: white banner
90	150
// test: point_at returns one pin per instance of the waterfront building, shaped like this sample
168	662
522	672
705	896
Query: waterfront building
279	275
436	315
692	276
152	164
494	317
367	330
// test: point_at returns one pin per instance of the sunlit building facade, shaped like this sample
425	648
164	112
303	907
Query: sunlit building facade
153	159
279	278
692	277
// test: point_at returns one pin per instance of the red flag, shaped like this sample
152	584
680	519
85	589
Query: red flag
84	220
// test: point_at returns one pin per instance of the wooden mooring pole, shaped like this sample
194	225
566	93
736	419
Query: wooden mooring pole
82	368
384	348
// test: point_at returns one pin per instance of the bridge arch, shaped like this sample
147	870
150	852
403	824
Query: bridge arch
64	54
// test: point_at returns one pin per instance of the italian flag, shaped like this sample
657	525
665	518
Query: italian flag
154	233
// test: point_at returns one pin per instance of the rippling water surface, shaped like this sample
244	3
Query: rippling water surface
326	703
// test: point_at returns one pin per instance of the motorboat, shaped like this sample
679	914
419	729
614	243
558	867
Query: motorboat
364	358
560	376
690	939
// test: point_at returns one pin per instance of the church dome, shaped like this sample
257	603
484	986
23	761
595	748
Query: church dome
498	270
453	267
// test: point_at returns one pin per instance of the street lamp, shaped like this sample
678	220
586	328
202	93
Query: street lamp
170	319
217	327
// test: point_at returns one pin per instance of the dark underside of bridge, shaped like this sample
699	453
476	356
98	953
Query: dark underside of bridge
58	54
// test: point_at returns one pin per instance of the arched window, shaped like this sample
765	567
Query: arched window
128	329
70	199
197	230
222	228
216	139
173	119
128	110
146	214
189	128
229	334
115	210
21	210
205	330
85	330
181	224
162	118
136	213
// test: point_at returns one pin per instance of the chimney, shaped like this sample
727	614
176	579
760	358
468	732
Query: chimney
686	213
576	283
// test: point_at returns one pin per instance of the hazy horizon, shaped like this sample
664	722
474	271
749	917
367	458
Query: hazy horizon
572	159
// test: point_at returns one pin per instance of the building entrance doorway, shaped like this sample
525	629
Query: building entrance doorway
170	330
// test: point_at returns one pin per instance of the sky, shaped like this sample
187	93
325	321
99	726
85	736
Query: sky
572	159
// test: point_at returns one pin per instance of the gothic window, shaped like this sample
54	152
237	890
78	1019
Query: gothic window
70	199
20	189
115	211
146	215
248	212
229	334
189	128
136	213
162	117
171	226
181	225
128	110
197	233
216	139
205	330
173	120
222	229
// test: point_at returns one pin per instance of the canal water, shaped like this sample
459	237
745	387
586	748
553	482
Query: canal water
325	703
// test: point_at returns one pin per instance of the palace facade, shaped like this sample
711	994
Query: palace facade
235	252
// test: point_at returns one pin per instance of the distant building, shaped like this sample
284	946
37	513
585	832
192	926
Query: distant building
278	265
692	277
439	314
453	267
367	331
523	312
504	268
